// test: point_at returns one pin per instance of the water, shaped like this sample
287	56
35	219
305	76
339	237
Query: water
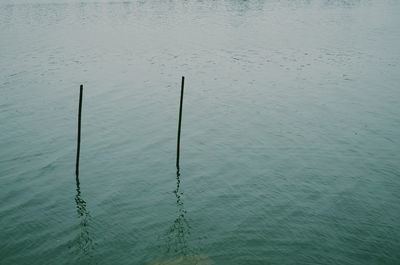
290	139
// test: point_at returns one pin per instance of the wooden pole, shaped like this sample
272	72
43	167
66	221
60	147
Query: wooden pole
179	124
79	131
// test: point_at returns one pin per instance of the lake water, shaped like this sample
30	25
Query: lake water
290	150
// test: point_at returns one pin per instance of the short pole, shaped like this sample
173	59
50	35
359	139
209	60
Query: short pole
79	131
179	124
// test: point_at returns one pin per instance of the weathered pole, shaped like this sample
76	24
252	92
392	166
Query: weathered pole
79	131
179	124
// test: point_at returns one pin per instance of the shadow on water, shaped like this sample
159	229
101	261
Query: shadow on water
84	238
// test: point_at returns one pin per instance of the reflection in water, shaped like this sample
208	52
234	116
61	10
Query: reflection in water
85	242
178	233
178	251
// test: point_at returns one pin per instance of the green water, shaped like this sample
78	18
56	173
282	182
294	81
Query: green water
290	132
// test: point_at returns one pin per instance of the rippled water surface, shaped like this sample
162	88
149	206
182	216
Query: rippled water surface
290	149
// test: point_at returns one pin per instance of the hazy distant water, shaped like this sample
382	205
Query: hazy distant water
290	140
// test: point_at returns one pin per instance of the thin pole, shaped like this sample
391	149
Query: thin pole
179	124
79	131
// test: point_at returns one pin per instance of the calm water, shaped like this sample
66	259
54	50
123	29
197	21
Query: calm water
290	141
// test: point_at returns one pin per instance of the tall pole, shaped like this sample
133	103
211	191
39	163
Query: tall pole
79	131
179	124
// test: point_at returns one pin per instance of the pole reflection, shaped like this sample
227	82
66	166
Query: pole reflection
84	239
178	249
178	233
